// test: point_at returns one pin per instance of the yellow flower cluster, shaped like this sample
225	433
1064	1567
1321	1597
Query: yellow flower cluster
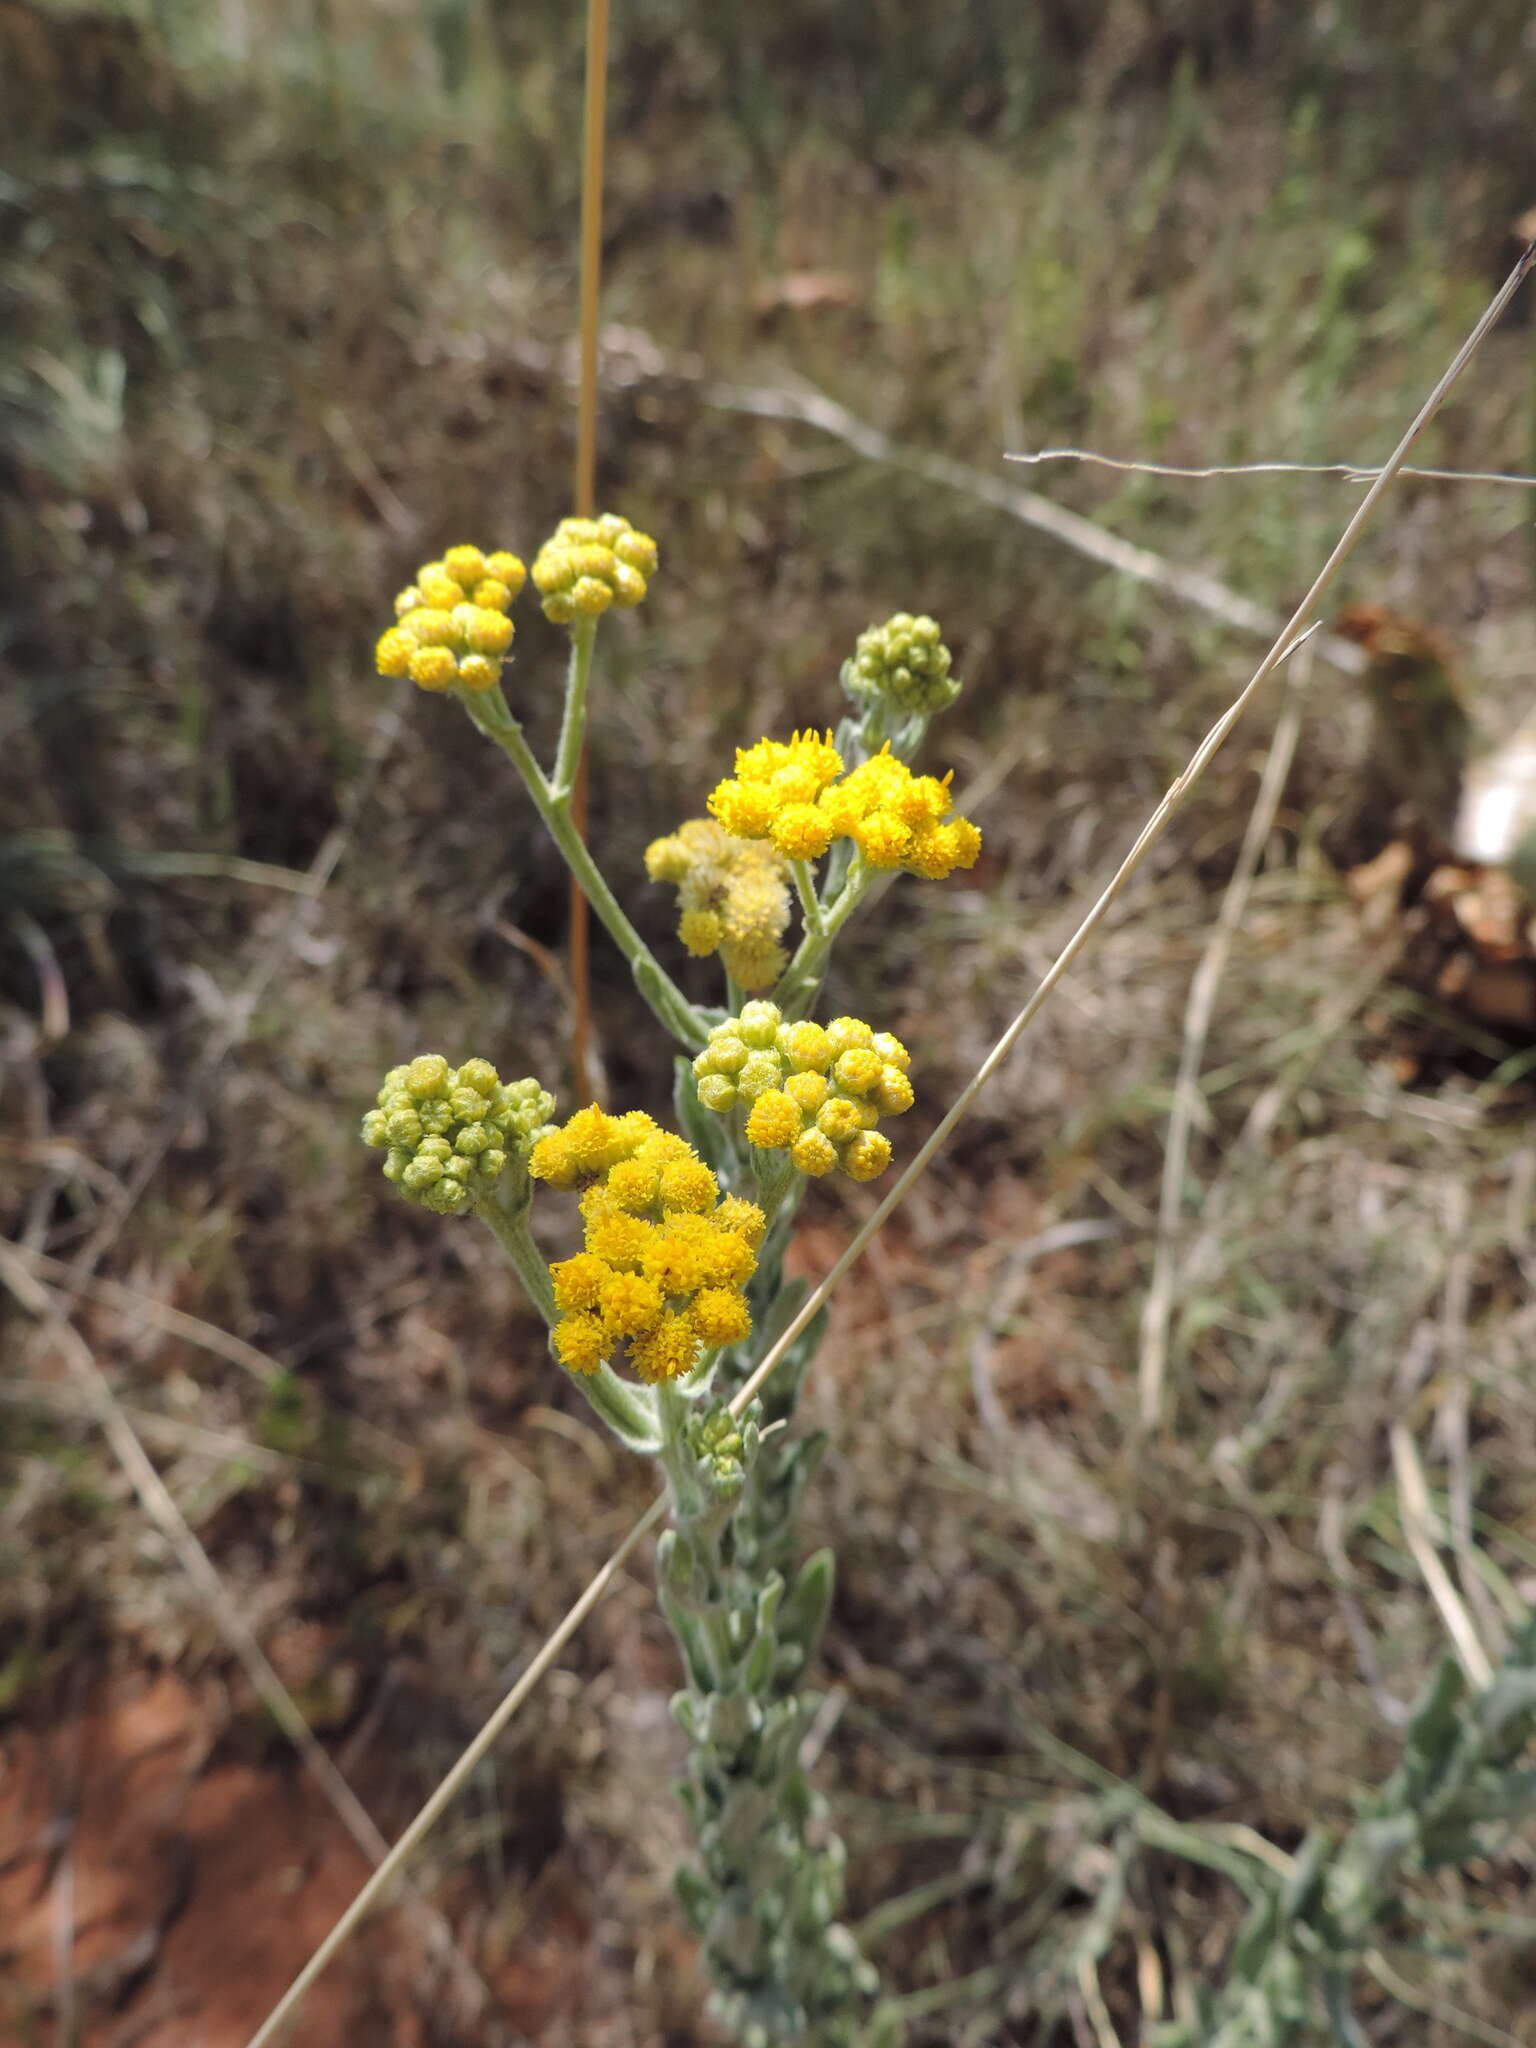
732	897
815	1091
588	564
666	1258
794	793
451	627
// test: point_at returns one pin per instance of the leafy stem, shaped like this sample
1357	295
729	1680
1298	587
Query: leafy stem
573	723
490	712
805	888
803	976
510	1228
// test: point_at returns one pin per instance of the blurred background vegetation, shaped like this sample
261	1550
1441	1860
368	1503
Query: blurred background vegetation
286	289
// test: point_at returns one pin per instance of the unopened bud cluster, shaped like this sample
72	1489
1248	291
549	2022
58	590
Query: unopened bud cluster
815	1091
452	629
723	1447
449	1132
666	1260
903	663
587	565
732	898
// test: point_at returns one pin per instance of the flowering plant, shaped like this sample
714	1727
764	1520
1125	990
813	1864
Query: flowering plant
678	1290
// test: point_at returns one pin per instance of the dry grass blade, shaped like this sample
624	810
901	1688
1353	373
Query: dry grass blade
1355	472
1083	536
145	1308
1418	1525
1285	643
1397	1986
1157	1310
584	491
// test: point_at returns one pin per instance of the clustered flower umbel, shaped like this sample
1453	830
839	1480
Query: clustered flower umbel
903	663
587	565
449	1132
666	1259
732	897
816	1091
451	627
794	793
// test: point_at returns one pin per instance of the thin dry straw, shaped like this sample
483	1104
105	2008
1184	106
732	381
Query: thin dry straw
1157	1311
584	491
1355	472
1286	643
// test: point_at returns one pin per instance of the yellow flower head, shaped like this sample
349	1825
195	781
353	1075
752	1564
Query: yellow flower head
587	565
579	1281
665	1259
701	932
720	1316
794	794
451	630
631	1304
813	1153
815	1091
669	1351
581	1342
732	897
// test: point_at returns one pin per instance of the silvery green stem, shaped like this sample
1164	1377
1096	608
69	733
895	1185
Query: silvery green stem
509	1223
802	978
805	889
573	721
491	713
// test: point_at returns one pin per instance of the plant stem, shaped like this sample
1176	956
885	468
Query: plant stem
573	723
774	1174
810	902
490	712
511	1231
803	976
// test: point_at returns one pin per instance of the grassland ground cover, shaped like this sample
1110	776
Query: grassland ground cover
282	298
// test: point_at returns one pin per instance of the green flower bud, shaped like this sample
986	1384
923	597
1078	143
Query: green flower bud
427	1076
401	1127
450	1134
903	664
761	1071
758	1025
724	1054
